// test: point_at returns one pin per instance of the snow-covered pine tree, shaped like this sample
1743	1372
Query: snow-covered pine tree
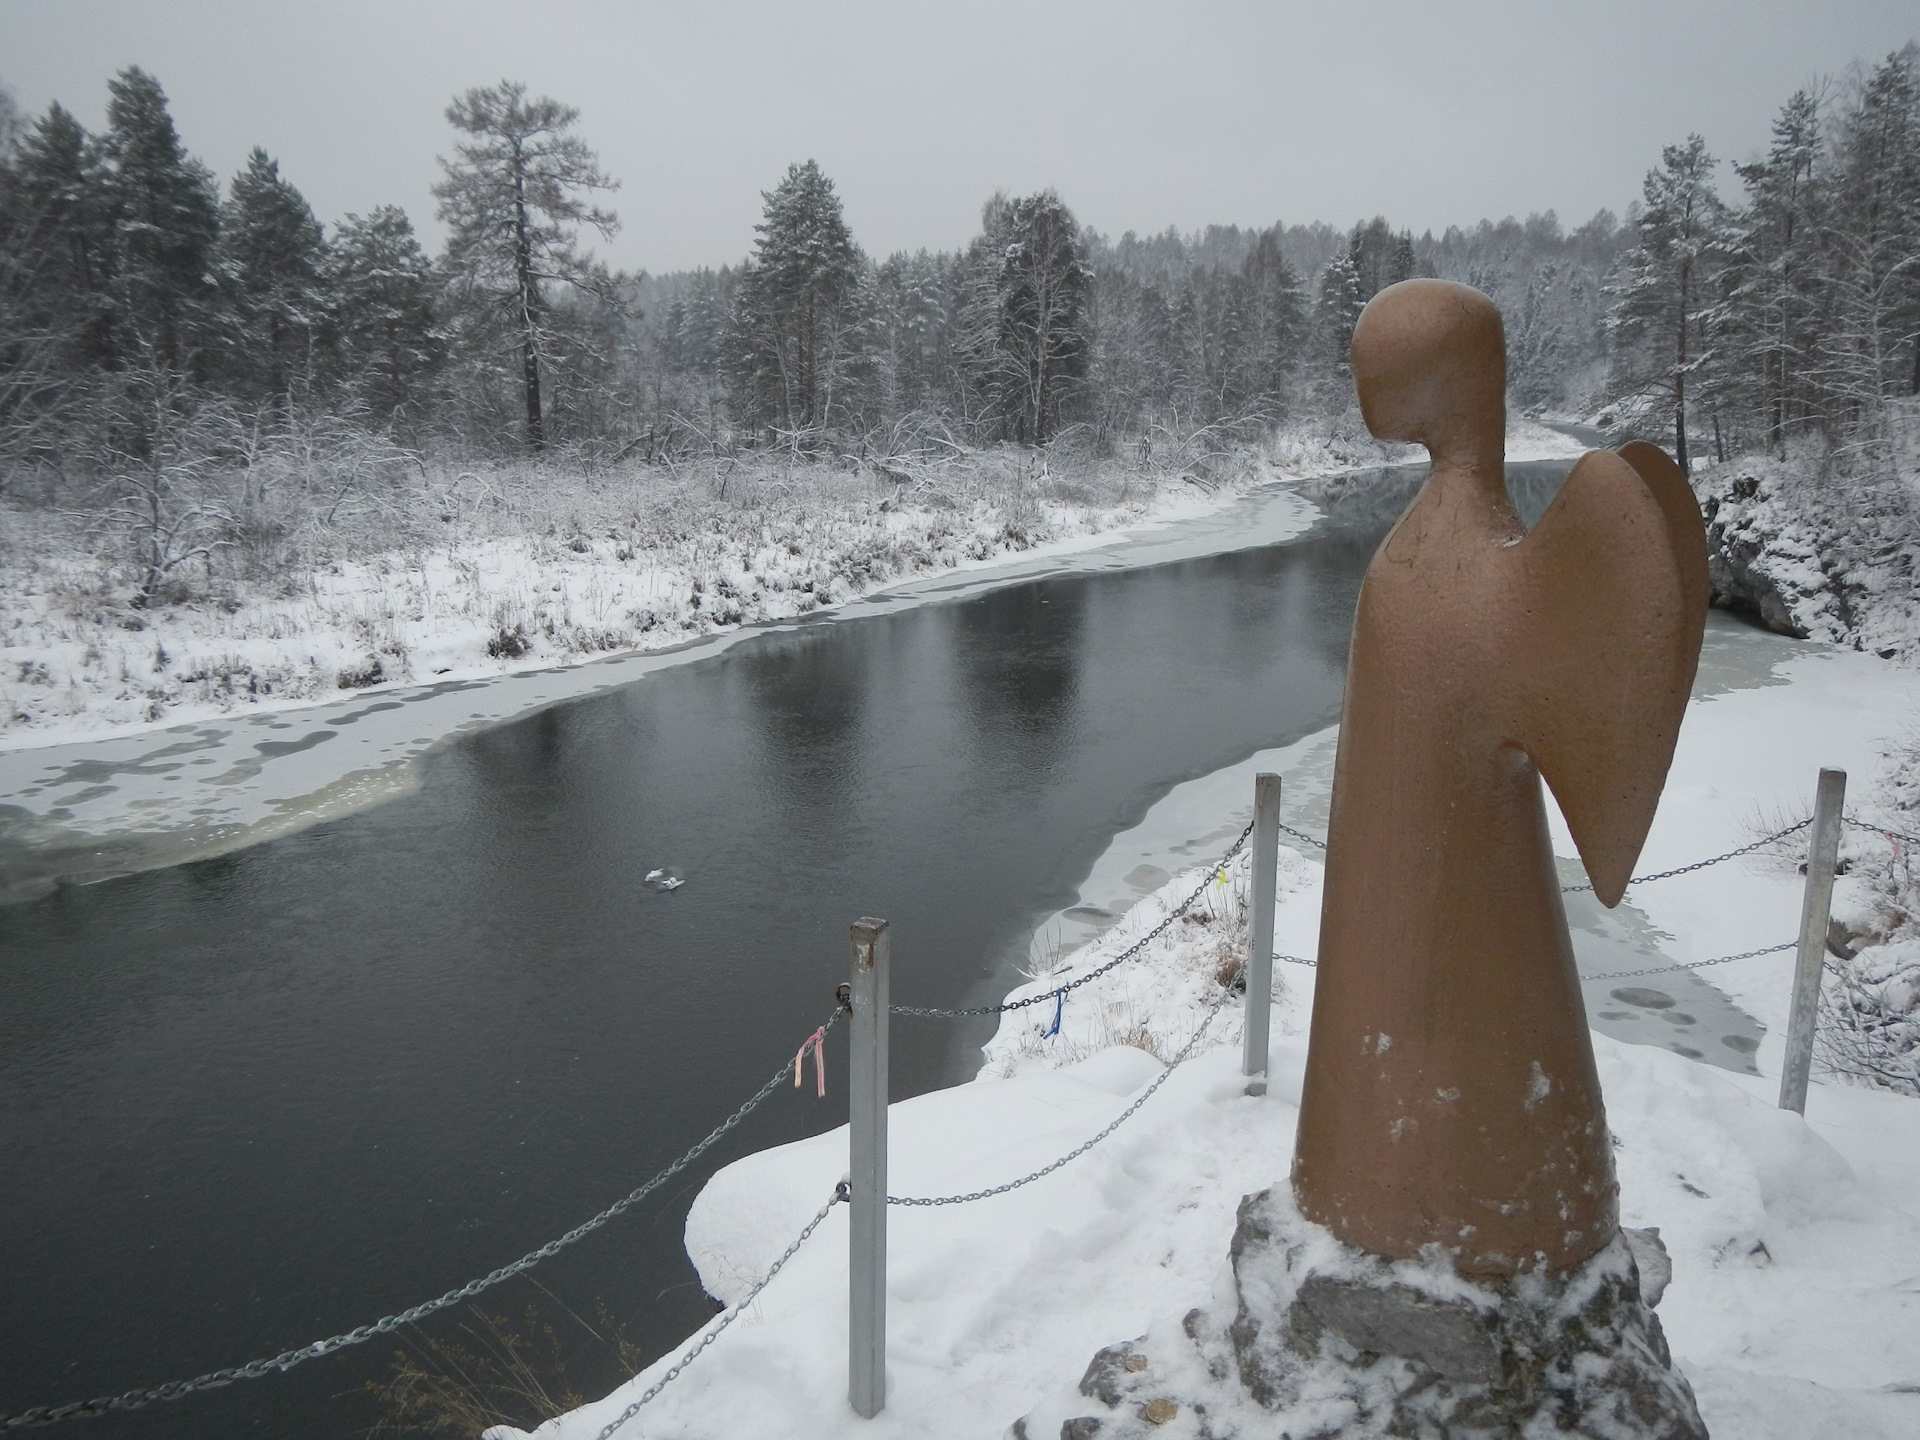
911	312
1667	310
1380	257
1870	236
1774	299
1277	322
164	208
798	332
1336	310
385	320
1042	289
514	198
56	240
272	276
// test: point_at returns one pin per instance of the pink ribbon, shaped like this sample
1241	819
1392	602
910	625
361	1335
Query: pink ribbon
816	1042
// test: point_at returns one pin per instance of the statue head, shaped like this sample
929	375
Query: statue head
1430	365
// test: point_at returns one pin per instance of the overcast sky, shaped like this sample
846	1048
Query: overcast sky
1140	114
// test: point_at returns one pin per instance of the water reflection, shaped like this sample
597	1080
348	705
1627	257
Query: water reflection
1018	654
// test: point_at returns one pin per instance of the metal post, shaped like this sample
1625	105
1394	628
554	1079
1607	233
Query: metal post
1266	858
1823	849
867	1170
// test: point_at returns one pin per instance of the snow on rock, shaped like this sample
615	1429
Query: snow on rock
1808	553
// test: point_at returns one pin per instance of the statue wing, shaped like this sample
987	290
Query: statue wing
1615	581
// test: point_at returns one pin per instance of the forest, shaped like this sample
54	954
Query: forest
204	388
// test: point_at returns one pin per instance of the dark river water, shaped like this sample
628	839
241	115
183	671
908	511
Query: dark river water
252	1101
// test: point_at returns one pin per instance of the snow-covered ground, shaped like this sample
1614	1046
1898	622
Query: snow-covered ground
1795	1305
531	574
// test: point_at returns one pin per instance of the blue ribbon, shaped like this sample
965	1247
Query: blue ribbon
1059	1005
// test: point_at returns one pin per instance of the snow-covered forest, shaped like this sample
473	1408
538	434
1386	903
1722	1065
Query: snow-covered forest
244	454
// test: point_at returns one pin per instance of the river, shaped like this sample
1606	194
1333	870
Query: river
258	1098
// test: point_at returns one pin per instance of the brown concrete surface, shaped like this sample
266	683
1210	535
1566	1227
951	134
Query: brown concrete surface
1450	1096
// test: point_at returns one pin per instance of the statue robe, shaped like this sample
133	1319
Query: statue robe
1451	1098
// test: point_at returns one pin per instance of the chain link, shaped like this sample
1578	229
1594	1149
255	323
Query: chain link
1302	835
287	1359
1145	1095
1693	964
1665	874
1213	872
733	1313
1759	844
1859	824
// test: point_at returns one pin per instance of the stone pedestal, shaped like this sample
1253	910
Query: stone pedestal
1309	1339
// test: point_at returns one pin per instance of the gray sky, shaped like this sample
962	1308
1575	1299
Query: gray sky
1141	115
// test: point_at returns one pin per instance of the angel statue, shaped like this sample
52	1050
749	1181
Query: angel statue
1451	1098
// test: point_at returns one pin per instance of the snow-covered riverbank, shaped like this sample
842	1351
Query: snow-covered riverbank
135	794
525	581
1795	1243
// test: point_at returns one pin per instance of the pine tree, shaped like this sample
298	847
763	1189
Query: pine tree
1667	311
385	320
910	291
165	224
1277	321
1042	287
1773	274
1871	239
1336	311
514	198
1538	348
797	315
59	237
272	269
1380	258
53	242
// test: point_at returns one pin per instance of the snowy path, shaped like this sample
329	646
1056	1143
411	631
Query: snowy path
1796	1243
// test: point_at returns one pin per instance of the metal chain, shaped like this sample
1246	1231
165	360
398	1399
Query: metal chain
1693	964
1302	835
1859	824
1074	1154
734	1312
1663	874
287	1359
1125	955
1759	844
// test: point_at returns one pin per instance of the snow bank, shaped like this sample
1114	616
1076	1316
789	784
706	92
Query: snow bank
1795	1243
526	569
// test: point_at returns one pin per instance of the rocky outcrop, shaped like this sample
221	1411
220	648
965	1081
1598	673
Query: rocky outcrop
1810	553
1759	563
1313	1340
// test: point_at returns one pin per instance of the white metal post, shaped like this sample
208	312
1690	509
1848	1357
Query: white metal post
1266	858
867	1170
1823	850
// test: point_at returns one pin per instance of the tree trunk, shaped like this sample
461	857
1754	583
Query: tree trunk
529	311
1680	381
